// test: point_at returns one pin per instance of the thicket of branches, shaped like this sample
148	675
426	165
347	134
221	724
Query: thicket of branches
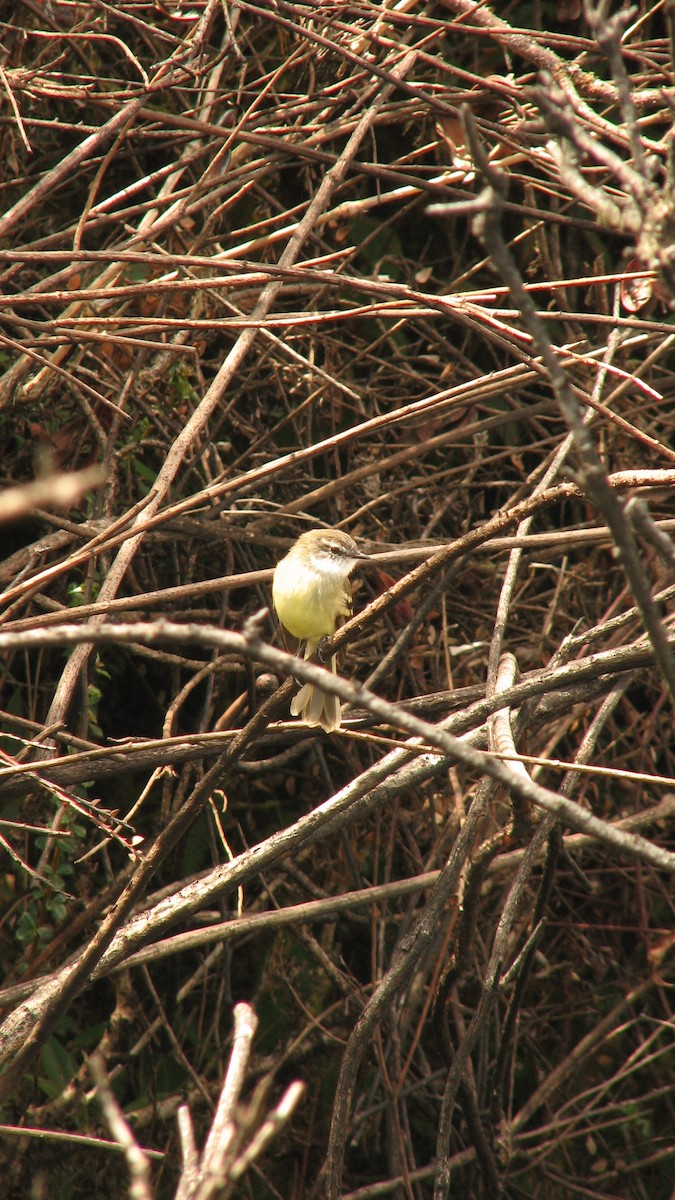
407	270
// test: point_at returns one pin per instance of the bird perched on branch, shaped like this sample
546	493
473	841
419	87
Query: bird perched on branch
312	597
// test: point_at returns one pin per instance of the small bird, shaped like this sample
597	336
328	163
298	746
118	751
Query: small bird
312	597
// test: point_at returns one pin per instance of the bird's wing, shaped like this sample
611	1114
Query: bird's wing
344	615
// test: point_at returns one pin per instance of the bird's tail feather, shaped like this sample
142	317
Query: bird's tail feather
314	706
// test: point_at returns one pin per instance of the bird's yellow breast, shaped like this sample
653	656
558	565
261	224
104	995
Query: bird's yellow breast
308	603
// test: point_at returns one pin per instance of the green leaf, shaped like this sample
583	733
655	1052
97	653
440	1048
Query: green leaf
57	1067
